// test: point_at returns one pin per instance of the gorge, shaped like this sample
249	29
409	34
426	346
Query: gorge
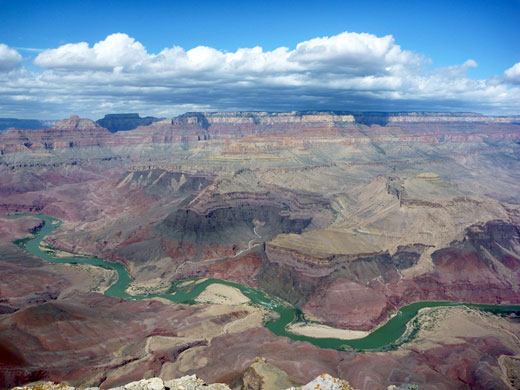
346	218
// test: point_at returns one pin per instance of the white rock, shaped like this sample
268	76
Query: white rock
191	382
146	384
325	382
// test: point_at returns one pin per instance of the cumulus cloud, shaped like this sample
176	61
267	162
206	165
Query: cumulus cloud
348	54
9	58
348	71
116	50
513	73
354	54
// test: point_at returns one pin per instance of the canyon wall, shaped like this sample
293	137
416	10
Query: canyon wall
348	128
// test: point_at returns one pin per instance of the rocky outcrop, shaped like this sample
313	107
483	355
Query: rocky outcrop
75	122
264	376
188	382
325	382
191	382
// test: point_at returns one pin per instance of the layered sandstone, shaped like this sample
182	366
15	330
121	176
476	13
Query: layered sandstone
75	122
346	220
343	127
74	132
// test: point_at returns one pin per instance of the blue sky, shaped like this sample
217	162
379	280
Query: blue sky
441	35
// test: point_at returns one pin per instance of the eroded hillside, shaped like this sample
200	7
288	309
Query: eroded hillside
347	216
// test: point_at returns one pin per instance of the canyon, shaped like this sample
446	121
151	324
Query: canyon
347	216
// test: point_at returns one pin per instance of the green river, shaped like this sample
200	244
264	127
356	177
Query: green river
385	337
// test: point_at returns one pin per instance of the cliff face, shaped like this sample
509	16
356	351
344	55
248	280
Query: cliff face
383	118
292	127
267	118
68	133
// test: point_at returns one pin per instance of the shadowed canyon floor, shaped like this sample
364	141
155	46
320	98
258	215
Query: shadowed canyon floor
346	220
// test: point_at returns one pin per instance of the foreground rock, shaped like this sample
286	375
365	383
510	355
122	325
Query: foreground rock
191	382
188	382
325	382
264	376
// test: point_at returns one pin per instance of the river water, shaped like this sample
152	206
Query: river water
384	337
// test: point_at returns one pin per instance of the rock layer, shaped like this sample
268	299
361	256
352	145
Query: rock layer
349	128
347	215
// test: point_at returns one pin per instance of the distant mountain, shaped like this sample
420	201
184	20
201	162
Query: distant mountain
10	123
125	122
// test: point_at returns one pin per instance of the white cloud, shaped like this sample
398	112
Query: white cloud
352	53
456	71
9	58
513	73
116	50
346	53
348	71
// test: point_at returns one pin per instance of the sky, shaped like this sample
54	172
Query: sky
163	58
